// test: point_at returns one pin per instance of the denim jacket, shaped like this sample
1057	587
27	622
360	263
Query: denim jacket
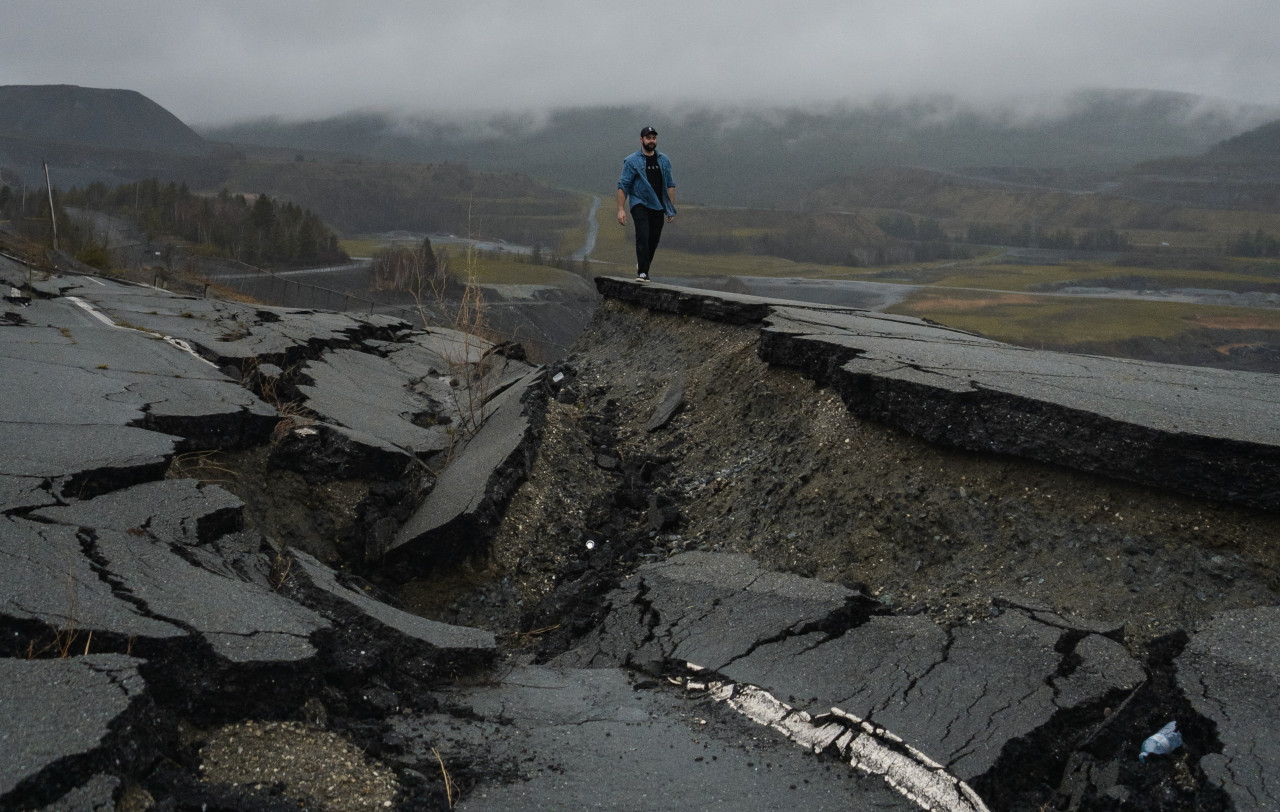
635	183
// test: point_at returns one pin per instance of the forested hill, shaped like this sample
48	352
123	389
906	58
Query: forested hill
1260	144
112	119
773	156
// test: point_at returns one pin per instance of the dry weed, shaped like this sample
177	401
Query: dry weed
200	465
448	783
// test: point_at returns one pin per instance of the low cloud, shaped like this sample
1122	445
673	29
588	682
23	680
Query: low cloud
217	62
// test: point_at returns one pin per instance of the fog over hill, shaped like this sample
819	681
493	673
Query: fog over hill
1259	144
734	156
769	156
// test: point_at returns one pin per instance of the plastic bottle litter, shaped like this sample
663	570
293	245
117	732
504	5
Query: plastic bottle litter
1165	741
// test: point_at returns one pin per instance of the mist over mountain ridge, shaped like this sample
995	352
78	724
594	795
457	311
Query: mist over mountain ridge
737	155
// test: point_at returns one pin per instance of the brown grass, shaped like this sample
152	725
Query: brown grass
1243	321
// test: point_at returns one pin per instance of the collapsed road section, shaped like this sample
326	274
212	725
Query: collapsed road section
730	553
179	479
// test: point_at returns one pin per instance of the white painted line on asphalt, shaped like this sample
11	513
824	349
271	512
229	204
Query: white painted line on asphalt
176	342
76	300
187	348
871	749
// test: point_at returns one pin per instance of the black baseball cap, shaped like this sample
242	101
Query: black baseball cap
648	131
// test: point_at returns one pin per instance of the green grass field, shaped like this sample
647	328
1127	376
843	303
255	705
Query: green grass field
361	246
1031	320
993	276
1001	306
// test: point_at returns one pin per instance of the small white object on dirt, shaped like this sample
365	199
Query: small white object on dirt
1162	742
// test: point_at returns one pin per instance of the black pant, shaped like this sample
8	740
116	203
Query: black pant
648	223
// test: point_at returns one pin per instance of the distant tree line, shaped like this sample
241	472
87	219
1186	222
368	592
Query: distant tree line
929	232
450	198
27	213
404	268
28	210
262	232
827	238
1255	244
925	236
1026	236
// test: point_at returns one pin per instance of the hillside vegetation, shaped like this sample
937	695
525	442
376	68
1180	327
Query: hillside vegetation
988	248
772	156
358	196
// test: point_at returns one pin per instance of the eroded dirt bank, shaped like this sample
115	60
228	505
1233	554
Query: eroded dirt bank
758	460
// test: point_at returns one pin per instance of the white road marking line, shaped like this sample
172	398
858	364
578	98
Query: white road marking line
76	300
872	749
176	342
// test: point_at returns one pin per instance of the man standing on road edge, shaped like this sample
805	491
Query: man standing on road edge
646	179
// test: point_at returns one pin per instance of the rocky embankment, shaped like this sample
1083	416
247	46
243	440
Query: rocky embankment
728	554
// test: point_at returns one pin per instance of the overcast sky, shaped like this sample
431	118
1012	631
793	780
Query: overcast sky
215	61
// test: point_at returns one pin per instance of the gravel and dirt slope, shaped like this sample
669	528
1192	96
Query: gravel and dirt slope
760	461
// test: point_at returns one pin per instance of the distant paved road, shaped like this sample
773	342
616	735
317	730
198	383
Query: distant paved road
593	231
357	265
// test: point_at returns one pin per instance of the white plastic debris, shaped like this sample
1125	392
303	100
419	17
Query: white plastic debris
591	545
1162	742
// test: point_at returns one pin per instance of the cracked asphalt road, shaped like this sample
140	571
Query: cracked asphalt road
1015	588
713	569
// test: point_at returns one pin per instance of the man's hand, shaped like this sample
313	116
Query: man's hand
622	217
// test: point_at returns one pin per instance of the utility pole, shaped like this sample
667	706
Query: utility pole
53	217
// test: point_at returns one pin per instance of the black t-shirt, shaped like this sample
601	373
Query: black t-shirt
654	173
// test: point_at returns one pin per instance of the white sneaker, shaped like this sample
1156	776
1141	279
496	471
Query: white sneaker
644	277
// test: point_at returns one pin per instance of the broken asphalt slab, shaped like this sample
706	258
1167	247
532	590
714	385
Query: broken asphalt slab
129	585
228	334
89	408
177	510
598	738
1196	430
469	494
432	633
1230	671
959	696
61	711
145	596
368	394
704	608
